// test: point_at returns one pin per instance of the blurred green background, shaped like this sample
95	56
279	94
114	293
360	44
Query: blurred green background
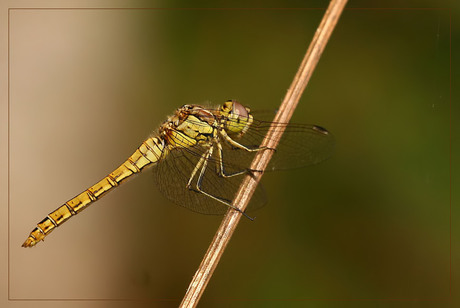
369	227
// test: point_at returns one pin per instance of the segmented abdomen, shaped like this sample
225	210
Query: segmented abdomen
149	153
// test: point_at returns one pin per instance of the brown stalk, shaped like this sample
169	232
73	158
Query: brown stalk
248	186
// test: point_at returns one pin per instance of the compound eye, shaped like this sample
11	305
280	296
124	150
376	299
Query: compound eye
239	110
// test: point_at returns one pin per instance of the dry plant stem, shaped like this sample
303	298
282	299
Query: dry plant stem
247	188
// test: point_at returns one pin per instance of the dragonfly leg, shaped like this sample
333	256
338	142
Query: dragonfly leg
221	170
239	145
200	163
203	163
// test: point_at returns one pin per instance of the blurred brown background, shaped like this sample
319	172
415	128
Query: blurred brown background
368	227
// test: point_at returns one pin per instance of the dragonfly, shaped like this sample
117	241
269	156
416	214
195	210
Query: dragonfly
199	156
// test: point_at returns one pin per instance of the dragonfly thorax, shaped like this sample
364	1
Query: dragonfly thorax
191	124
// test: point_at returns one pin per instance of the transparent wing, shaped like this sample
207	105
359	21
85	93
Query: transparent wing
300	145
173	172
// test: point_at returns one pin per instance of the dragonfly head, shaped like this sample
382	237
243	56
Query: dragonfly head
237	118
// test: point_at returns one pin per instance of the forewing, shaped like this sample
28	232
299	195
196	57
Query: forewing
300	145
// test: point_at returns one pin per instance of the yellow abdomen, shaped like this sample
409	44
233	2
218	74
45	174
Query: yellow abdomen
147	154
